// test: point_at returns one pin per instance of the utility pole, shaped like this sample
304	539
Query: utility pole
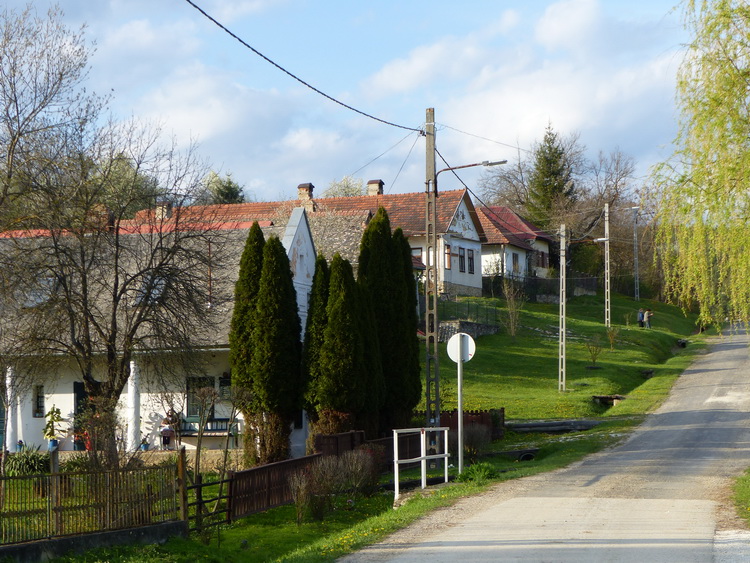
561	353
607	302
636	279
432	380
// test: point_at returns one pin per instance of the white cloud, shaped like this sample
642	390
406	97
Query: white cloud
568	24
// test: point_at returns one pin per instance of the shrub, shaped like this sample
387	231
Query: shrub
478	473
359	471
28	461
476	438
77	463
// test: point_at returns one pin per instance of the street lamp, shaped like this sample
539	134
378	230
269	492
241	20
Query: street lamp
432	368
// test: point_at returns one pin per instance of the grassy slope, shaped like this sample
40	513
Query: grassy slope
521	374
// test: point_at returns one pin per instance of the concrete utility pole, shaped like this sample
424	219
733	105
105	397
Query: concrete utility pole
432	380
636	279
607	302
561	353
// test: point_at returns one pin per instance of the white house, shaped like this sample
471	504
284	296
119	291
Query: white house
514	246
148	395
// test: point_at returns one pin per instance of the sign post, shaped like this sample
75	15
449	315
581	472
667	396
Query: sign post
461	348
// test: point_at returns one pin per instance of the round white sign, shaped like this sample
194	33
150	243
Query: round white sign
461	347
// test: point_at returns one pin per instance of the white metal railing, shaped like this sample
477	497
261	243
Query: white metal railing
422	458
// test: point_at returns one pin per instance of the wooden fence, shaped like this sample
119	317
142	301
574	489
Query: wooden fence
62	504
267	486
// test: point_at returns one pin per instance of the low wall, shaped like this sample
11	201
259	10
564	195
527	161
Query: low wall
32	552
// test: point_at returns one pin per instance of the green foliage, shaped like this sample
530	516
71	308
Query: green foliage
702	215
479	473
341	386
28	461
551	184
317	320
275	374
385	274
221	190
245	293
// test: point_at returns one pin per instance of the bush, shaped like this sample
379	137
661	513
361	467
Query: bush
359	470
28	461
476	438
478	473
77	463
313	490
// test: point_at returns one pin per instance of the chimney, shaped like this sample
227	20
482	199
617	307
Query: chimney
305	192
305	196
163	210
375	187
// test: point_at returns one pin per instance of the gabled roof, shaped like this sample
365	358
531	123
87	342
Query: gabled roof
499	233
510	222
406	211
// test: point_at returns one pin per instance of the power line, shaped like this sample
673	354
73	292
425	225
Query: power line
297	78
485	138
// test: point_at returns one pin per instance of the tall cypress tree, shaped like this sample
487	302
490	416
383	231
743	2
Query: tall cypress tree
245	293
411	383
381	274
317	320
275	364
341	391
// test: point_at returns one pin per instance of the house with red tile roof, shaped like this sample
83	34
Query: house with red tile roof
514	246
337	224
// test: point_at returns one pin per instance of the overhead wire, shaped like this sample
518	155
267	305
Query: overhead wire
295	77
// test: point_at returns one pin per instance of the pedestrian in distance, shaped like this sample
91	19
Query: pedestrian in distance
648	313
640	318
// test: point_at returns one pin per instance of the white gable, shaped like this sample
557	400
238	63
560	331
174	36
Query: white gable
462	223
300	249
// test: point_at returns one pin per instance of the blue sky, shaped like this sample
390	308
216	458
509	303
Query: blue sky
496	72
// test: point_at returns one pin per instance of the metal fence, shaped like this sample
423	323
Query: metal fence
44	506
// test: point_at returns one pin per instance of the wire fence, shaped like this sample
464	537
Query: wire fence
45	506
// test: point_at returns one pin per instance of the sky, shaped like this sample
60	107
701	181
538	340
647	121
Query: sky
496	72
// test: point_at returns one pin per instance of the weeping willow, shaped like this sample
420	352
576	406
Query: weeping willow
703	233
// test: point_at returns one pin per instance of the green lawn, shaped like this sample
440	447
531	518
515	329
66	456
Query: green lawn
519	374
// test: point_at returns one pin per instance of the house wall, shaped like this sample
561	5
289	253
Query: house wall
542	246
498	259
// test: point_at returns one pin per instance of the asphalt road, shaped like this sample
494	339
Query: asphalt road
662	495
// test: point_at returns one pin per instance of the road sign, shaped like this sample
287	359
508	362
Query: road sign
455	345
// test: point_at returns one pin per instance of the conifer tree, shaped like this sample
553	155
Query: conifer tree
245	293
551	186
275	364
317	320
341	391
381	274
411	384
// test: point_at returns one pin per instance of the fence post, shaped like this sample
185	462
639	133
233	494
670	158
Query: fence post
230	496
182	484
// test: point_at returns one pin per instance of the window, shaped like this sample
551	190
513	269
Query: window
461	259
194	384
471	261
38	398
516	264
225	387
447	257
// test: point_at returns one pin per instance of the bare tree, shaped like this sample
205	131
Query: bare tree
514	302
102	287
42	68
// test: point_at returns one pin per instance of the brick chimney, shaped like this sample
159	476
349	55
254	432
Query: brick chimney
375	187
305	196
